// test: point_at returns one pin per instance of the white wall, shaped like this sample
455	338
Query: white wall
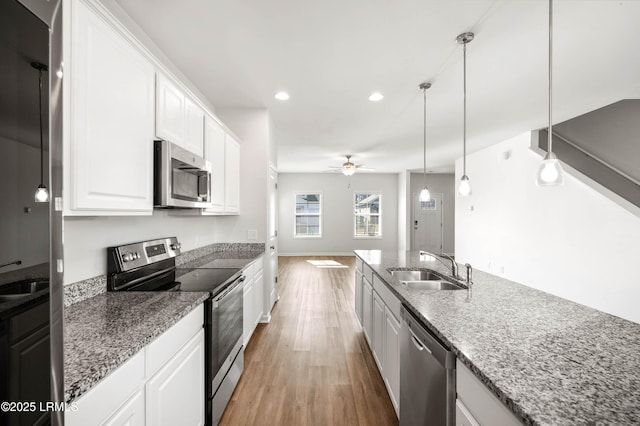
337	212
443	183
571	241
404	241
85	239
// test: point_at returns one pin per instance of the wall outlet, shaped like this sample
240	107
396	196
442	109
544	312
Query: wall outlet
252	234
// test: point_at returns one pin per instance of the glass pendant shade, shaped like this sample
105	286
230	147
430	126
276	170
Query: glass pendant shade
42	194
425	195
348	170
465	186
550	171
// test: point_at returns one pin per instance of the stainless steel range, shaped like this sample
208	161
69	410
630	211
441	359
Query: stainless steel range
150	266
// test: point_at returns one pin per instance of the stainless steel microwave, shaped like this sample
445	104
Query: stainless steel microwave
182	179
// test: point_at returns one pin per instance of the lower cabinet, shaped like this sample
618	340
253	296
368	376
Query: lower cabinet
476	405
378	311
163	384
252	298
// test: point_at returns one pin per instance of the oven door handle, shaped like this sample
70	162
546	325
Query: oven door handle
234	287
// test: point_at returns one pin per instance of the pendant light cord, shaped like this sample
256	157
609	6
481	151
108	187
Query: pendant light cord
424	135
41	137
550	130
464	109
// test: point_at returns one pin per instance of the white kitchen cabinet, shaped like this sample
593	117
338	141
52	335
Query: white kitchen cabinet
170	111
131	413
231	175
367	310
162	384
358	295
463	416
175	394
194	127
378	331
178	118
109	117
253	298
214	136
477	403
392	357
248	308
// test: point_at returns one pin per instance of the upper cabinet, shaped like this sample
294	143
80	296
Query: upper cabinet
222	150
178	119
109	120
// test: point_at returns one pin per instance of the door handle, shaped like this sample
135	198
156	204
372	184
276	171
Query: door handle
417	343
272	247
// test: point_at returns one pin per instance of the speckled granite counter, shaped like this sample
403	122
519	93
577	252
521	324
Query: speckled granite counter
101	333
224	259
550	360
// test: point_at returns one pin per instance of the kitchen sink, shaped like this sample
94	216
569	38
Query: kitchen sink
432	285
20	289
424	280
415	275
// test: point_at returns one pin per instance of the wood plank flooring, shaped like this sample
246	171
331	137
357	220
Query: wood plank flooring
311	364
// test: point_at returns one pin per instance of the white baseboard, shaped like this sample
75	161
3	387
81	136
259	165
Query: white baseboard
265	318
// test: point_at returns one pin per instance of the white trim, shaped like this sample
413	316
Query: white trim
353	199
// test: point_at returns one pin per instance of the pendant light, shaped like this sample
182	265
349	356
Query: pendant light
42	193
425	195
465	186
550	171
348	168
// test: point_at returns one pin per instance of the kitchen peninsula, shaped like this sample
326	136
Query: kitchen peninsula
549	360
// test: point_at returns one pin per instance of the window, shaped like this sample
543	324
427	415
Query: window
308	215
368	210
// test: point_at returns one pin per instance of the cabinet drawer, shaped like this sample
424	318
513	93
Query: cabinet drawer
169	342
106	397
359	264
392	302
367	272
481	404
463	416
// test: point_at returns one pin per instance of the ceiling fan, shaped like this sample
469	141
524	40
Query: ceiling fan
349	168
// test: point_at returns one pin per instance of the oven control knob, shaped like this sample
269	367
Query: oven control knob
136	255
175	246
127	257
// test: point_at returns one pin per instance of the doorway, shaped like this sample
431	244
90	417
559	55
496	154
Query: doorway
427	224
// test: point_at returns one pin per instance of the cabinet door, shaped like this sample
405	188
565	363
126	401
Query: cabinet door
258	299
463	416
131	413
194	128
170	111
175	395
110	145
392	357
367	310
247	310
358	295
378	331
214	153
232	175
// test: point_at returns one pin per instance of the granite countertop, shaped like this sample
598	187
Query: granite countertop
550	360
103	332
224	259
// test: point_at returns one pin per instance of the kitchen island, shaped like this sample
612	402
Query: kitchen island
549	360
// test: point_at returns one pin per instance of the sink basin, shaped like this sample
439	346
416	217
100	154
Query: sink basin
432	285
416	276
20	289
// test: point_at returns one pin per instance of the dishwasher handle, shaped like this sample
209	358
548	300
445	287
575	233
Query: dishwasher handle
416	342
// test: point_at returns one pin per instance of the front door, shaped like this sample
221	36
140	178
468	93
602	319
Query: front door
427	224
272	277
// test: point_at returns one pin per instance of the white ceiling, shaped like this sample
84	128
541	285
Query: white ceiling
331	55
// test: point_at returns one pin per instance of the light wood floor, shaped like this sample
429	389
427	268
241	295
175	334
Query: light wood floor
311	364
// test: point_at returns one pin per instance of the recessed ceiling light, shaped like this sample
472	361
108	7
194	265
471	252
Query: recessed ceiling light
282	96
375	97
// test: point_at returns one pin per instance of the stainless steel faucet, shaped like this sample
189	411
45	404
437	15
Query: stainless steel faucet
454	265
469	273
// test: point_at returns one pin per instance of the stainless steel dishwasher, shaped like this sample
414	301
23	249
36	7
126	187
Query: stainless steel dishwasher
427	376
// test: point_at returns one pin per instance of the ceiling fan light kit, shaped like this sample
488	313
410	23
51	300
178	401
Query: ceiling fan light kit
348	168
